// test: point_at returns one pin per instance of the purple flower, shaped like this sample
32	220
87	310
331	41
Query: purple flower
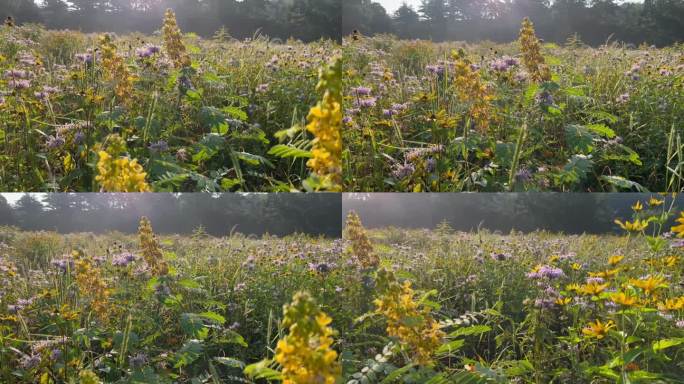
402	171
19	84
500	256
431	164
137	361
55	354
262	88
54	142
387	112
545	99
159	146
595	280
361	91
368	102
523	175
435	69
79	137
345	120
16	74
546	271
123	259
29	361
63	264
86	58
622	98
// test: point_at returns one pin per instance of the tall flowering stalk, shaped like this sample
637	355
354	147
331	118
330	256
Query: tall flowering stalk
117	173
91	283
473	91
361	246
531	51
173	41
116	69
151	251
407	320
325	123
305	354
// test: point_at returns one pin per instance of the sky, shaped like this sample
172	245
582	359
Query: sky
393	5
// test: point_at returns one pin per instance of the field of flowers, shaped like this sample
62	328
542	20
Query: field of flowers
382	306
169	112
523	116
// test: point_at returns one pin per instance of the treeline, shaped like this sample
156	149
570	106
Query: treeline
277	214
307	20
659	22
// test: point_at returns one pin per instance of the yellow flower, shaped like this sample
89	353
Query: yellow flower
151	251
472	91
325	123
679	229
305	354
598	329
361	246
173	41
614	260
671	304
573	287
531	52
407	320
636	226
649	284
116	69
593	288
637	206
117	173
607	274
88	377
625	299
653	202
563	301
576	266
670	261
91	284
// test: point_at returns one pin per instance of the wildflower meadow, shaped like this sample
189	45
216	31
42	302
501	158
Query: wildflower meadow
386	305
524	116
167	112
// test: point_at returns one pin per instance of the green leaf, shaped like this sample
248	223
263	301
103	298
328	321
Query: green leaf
602	130
285	151
214	317
579	138
262	370
622	183
252	159
235	113
230	362
450	347
396	374
189	284
189	353
472	330
667	343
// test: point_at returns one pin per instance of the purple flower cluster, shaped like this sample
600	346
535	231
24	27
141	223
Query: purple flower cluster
54	142
435	69
159	146
504	64
123	259
402	171
546	271
85	58
65	264
262	88
395	109
16	74
361	91
623	98
147	51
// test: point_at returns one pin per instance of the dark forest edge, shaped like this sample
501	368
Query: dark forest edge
213	214
657	22
307	20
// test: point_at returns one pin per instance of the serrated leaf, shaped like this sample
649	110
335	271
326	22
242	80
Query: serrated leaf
288	151
472	330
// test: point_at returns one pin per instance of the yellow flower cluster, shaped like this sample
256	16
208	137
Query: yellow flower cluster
173	41
325	123
598	329
88	377
91	283
118	173
679	229
634	226
407	320
361	246
305	354
531	51
116	69
473	91
150	249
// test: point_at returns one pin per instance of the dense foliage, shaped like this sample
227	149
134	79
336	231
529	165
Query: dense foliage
659	22
388	305
524	116
173	112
